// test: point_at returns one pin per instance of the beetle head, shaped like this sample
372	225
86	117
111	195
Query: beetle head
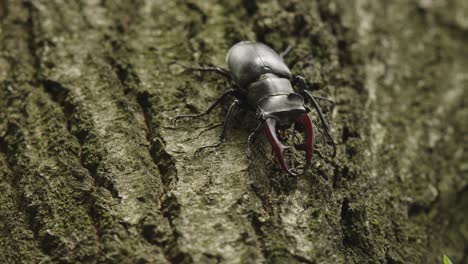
280	112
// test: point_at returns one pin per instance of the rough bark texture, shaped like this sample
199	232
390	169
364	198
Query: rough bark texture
92	170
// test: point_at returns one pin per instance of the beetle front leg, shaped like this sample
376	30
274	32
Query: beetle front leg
312	99
325	124
333	104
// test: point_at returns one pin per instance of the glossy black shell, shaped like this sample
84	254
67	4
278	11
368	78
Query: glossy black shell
262	74
248	60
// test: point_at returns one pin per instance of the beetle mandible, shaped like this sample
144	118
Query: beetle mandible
264	83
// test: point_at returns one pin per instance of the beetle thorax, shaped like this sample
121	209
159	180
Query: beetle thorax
274	96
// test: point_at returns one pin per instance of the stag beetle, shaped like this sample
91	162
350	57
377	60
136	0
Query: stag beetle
264	83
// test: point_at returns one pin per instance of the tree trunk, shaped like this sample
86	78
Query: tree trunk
92	169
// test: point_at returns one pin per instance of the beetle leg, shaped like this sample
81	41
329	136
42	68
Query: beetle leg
278	147
207	111
303	83
322	119
222	137
333	104
285	52
208	129
208	68
251	139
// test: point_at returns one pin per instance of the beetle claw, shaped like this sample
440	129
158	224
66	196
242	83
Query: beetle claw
308	146
279	148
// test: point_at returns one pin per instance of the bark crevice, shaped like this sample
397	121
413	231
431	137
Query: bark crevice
162	159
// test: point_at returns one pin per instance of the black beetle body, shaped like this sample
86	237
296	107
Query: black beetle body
265	79
263	83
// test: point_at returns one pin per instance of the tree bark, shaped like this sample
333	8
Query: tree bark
92	169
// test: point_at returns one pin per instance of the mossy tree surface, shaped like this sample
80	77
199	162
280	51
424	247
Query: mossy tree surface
92	170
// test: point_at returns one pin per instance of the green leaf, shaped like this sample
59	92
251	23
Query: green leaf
447	260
